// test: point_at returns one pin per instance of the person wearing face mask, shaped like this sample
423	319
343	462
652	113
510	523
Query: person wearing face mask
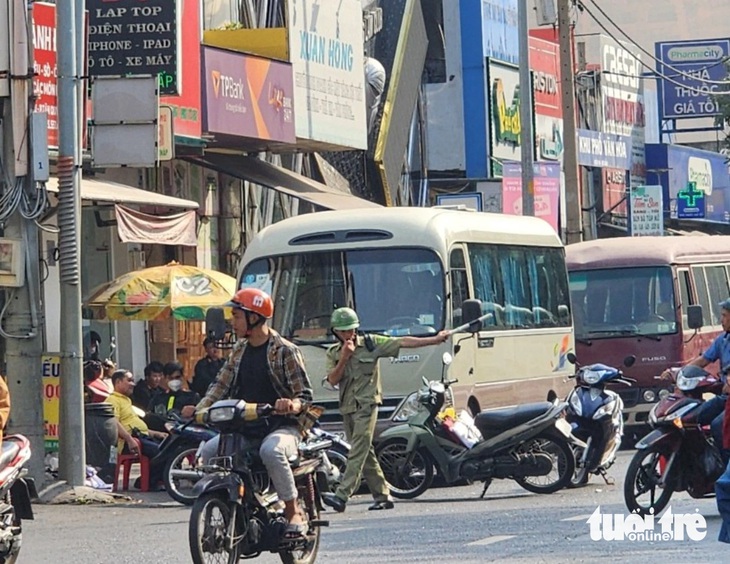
176	396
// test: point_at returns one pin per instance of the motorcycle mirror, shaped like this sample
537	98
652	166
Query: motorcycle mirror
572	359
629	361
447	358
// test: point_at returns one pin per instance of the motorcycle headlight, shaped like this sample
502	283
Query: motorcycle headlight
407	408
605	409
592	376
221	414
575	405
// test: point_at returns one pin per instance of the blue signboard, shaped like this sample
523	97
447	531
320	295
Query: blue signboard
604	150
691	202
689	67
500	38
675	167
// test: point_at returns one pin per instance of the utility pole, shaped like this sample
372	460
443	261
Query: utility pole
22	325
72	456
574	223
526	137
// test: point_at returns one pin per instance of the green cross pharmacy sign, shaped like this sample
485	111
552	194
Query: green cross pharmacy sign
691	202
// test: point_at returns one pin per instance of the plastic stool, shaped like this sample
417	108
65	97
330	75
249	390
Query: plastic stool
125	461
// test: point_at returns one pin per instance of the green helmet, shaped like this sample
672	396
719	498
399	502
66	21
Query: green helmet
344	319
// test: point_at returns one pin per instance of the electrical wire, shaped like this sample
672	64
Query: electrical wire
646	65
654	58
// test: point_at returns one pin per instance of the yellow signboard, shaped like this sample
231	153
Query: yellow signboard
51	370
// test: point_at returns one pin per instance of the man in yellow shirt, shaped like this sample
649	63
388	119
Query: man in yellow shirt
130	424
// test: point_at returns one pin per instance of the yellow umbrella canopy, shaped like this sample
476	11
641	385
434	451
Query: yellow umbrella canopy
182	291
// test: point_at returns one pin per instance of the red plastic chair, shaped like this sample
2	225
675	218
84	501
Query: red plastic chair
125	461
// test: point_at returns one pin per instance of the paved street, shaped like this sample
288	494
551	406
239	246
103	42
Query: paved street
452	524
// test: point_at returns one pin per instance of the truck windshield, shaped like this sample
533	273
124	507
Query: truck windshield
396	291
623	302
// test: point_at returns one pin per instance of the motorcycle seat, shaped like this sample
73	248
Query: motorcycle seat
506	418
10	450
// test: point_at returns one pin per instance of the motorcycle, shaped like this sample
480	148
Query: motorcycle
237	514
16	491
678	454
185	465
528	444
595	415
181	450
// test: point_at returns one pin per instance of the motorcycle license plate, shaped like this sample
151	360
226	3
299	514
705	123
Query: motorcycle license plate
563	426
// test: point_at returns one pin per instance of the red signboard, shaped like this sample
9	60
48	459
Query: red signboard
545	66
614	190
44	66
187	119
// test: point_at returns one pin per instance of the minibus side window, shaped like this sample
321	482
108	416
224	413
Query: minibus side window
684	296
718	290
459	285
700	284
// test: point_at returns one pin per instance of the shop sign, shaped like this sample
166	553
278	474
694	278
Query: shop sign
134	37
248	96
646	213
692	71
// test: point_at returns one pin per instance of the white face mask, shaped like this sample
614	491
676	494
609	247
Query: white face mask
174	385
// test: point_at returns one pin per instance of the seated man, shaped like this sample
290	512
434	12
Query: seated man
147	389
176	397
130	424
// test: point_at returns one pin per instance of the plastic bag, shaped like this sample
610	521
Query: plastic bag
465	429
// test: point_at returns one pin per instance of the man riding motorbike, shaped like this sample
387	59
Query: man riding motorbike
712	411
263	367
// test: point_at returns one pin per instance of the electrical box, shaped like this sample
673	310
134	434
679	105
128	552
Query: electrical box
39	146
547	13
12	263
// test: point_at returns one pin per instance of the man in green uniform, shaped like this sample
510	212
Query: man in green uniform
352	364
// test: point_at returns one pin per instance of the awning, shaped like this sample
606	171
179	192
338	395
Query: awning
113	192
278	178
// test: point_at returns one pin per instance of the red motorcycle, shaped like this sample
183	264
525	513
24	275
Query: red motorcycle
16	491
678	454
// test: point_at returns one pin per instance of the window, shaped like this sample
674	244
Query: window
684	296
718	290
620	302
397	291
459	284
703	298
522	287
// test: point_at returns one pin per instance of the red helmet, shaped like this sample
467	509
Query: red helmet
254	300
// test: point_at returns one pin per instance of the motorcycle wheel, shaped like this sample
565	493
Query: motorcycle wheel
208	531
642	479
581	475
181	489
307	494
404	482
563	464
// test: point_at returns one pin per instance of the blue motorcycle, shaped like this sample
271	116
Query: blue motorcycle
595	414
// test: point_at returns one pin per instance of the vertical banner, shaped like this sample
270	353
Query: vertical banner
646	217
546	178
51	371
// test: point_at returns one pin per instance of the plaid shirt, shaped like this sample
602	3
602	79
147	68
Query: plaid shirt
286	368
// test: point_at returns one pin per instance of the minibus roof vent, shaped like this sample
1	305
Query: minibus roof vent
341	236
